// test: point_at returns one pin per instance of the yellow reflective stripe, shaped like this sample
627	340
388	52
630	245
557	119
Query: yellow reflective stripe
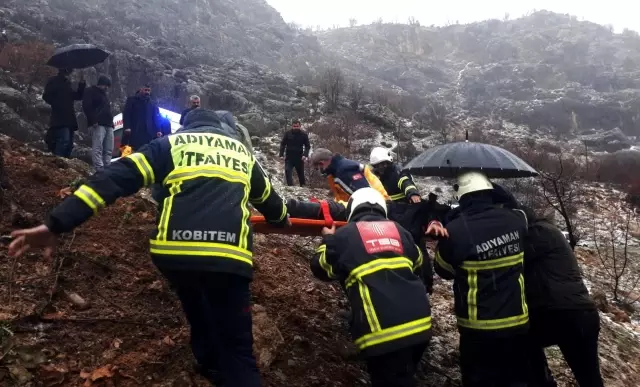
443	263
420	259
402	179
141	162
90	198
495	324
399	196
265	194
525	307
245	227
369	310
167	205
322	250
472	295
376	265
200	249
511	260
410	187
213	171
394	333
284	211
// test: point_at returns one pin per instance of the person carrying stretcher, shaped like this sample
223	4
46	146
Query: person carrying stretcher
377	263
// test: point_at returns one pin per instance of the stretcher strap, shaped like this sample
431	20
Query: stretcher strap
326	213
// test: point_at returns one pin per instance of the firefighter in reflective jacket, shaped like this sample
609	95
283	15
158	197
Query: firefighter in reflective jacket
484	257
203	239
345	176
398	184
376	262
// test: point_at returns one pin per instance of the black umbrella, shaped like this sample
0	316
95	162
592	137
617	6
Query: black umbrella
77	56
449	160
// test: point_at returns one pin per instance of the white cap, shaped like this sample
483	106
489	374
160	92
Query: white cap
363	196
379	155
471	182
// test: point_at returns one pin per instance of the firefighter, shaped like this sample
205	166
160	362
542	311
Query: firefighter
345	176
203	241
484	256
376	261
398	184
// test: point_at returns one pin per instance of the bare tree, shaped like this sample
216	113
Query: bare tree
356	92
413	21
332	87
613	253
436	116
559	183
353	22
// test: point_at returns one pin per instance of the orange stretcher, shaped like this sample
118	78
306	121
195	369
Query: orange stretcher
299	226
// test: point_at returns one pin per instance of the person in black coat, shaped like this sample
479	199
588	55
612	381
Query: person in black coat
195	103
141	119
561	311
62	125
294	148
97	109
377	264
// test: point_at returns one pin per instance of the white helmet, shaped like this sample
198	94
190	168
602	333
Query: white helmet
365	196
471	182
379	155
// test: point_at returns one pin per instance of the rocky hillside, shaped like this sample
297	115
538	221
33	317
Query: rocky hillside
235	54
547	71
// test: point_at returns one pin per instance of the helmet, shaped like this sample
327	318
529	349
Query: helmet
379	155
471	182
366	197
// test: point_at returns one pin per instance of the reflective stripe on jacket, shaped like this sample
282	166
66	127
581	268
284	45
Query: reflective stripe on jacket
398	184
209	179
376	262
484	256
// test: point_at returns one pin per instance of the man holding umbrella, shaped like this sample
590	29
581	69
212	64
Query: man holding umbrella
484	255
62	125
60	95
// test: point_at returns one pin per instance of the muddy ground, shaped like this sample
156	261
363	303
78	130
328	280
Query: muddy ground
99	313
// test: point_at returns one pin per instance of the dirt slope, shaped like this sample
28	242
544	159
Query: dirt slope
99	313
132	331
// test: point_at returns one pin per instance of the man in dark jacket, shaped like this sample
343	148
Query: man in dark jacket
62	125
484	255
97	109
195	103
561	311
375	261
203	243
294	148
140	119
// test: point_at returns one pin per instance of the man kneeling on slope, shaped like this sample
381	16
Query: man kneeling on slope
345	176
376	262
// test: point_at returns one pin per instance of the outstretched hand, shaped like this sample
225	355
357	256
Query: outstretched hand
436	229
36	237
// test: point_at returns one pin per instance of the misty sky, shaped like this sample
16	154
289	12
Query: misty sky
620	13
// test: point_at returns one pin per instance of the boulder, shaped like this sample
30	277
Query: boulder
609	141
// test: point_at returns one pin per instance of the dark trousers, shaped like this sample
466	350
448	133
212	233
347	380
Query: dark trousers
218	309
60	141
291	163
493	362
576	333
395	369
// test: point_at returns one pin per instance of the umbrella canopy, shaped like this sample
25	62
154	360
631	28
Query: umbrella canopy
449	160
77	56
